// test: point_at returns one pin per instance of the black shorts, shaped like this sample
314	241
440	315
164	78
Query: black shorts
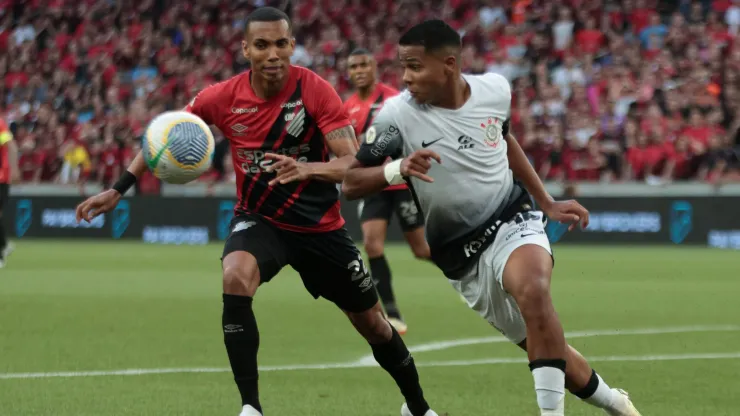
4	193
383	204
329	263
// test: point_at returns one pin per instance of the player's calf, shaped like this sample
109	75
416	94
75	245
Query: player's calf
527	278
392	355
241	336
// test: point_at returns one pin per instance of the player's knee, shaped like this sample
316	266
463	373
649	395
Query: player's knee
374	246
421	251
240	279
533	296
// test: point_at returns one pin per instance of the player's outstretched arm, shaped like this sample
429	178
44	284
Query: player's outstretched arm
108	199
341	142
363	180
569	212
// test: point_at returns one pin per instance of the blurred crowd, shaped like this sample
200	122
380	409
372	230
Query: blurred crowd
603	90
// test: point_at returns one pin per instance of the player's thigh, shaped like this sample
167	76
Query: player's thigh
378	206
484	294
331	267
523	258
374	232
253	254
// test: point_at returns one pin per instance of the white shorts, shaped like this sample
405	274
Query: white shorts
483	287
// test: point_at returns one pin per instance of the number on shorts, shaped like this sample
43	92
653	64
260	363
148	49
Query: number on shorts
409	210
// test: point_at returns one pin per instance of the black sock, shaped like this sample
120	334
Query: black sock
381	273
394	357
590	389
3	237
242	341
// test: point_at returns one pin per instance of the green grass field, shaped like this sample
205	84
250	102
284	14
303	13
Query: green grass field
669	319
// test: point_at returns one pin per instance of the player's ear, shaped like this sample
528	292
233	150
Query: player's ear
292	42
450	62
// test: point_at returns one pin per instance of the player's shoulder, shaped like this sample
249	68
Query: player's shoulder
221	91
489	81
307	76
351	100
387	90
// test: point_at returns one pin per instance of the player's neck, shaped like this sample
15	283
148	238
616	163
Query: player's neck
365	93
266	90
459	96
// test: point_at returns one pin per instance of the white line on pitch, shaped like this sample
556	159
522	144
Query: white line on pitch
454	363
443	345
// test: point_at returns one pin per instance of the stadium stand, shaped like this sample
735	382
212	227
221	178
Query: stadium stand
603	90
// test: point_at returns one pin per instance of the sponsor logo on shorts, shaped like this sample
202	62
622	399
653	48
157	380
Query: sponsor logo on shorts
366	284
471	248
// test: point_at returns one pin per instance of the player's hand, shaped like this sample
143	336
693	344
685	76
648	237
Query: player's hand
567	212
98	204
288	169
417	164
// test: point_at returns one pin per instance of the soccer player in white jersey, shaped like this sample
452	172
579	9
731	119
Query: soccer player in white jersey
447	136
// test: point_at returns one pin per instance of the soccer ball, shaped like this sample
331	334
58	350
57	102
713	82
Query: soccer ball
178	147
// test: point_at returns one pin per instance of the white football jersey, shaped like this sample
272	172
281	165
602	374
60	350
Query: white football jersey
474	180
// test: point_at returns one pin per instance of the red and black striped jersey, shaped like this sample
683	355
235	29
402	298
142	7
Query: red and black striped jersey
362	112
293	123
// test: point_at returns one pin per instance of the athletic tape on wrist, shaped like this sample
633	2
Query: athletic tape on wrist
125	182
392	172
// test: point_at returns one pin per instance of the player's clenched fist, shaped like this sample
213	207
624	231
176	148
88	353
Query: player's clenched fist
417	164
98	204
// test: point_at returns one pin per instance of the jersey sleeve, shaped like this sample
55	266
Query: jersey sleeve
381	140
324	104
204	104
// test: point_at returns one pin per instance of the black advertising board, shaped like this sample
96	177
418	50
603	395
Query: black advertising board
656	220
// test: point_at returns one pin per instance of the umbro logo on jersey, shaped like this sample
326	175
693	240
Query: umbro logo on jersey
239	129
427	144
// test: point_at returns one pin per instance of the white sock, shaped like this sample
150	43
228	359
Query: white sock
603	397
549	384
